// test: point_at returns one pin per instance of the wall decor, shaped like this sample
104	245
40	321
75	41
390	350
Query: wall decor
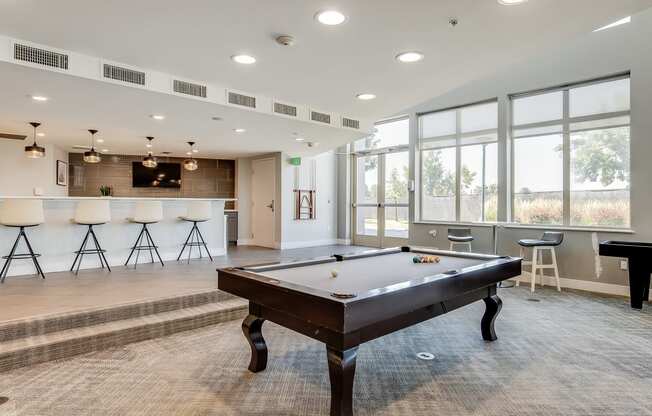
62	173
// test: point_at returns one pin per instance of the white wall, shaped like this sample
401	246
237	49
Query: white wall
323	229
19	175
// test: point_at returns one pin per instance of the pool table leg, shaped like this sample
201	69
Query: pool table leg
252	329
493	305
341	370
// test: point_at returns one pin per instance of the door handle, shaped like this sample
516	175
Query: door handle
271	206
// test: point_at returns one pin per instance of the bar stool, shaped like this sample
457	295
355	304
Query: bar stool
548	241
21	213
460	236
198	211
147	212
90	213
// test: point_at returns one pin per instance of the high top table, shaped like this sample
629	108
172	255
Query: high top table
639	257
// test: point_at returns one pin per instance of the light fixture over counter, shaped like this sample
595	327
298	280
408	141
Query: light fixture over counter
92	156
190	164
150	161
34	151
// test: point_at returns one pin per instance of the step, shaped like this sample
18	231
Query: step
62	344
42	325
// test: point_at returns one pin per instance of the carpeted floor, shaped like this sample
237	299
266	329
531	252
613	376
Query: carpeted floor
568	354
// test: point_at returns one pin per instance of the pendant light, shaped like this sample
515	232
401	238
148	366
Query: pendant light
190	164
150	161
35	151
92	156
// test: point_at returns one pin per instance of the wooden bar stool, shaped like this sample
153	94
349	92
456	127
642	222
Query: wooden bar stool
90	213
147	212
548	241
21	213
198	211
460	236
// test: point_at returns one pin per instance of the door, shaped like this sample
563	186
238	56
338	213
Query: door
381	204
263	193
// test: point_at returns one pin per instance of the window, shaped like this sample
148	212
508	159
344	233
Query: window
459	164
392	133
571	155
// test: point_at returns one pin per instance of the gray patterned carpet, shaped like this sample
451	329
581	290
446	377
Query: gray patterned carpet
569	354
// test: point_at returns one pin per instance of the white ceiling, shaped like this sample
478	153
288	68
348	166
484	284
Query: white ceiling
325	69
122	116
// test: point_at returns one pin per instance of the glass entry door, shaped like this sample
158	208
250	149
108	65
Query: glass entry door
380	210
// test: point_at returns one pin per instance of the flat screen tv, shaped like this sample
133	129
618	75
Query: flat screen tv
165	175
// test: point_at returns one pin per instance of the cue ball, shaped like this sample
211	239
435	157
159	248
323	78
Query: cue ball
333	273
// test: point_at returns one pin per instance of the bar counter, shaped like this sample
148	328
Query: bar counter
59	237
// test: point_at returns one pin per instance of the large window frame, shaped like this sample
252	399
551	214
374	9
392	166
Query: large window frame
566	132
458	142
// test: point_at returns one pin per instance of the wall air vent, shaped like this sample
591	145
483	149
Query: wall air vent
183	87
350	123
40	56
243	100
320	117
123	74
285	109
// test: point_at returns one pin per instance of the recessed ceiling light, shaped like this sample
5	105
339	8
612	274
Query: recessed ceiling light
365	96
40	134
239	130
216	118
195	151
330	17
148	145
299	139
189	153
244	59
105	150
158	117
408	57
99	140
511	2
39	98
622	21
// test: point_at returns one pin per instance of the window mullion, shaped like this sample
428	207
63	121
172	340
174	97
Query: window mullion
458	164
566	194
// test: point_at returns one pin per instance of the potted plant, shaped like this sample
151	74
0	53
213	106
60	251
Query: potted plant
106	191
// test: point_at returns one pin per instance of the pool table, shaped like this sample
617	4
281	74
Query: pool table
346	300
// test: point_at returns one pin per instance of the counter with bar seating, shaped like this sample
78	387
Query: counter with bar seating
48	234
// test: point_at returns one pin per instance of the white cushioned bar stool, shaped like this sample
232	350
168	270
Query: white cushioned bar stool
146	212
198	211
460	236
548	241
90	213
21	213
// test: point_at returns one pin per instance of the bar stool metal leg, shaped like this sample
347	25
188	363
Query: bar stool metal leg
12	255
100	251
154	246
195	239
31	252
5	267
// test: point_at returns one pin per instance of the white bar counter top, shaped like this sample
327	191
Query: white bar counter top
59	237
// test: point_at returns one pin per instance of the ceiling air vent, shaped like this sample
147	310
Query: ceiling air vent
350	123
183	87
40	56
123	74
243	100
320	117
288	110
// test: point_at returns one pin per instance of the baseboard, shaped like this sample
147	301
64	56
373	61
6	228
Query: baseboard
344	241
586	285
245	242
314	243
